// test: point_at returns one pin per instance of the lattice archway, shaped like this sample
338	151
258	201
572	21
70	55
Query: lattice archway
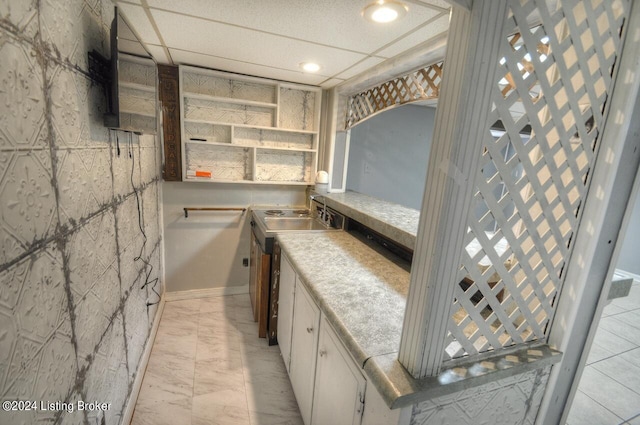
540	144
420	85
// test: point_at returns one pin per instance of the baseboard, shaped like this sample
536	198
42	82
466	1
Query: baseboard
635	277
142	367
206	293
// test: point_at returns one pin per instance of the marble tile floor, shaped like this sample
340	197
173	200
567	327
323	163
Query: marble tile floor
208	366
609	391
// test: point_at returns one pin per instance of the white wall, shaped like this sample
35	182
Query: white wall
628	260
205	251
388	155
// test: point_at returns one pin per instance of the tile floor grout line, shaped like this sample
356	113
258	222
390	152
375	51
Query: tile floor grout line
244	376
611	377
622	321
193	379
612	356
601	405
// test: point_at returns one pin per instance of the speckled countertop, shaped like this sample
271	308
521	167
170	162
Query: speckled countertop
394	221
361	292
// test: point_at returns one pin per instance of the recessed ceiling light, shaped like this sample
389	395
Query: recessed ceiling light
383	11
310	67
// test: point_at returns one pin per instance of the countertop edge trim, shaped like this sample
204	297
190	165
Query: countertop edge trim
418	390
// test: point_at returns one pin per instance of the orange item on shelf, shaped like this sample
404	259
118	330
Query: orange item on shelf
203	174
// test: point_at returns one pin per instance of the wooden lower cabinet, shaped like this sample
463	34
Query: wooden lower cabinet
259	276
339	385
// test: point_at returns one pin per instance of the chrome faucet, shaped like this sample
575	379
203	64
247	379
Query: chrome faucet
324	216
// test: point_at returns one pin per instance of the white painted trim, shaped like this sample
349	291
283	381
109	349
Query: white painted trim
142	367
635	277
465	92
592	263
206	293
466	4
163	267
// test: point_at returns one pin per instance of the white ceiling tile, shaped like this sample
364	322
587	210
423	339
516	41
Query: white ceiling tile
140	23
329	22
157	52
234	43
189	58
360	67
431	30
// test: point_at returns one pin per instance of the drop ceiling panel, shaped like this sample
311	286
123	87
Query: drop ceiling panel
360	67
331	83
157	52
335	23
189	58
234	43
426	33
140	22
443	4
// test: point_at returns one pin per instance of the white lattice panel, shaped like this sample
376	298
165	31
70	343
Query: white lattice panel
541	141
423	84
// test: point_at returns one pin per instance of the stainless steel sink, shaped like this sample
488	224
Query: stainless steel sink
294	223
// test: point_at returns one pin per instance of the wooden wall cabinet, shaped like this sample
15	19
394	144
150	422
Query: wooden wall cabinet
170	102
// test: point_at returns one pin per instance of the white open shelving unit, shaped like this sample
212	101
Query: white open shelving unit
137	93
246	129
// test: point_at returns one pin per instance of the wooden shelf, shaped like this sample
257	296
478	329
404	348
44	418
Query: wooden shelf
136	86
256	127
209	180
219	99
276	148
237	145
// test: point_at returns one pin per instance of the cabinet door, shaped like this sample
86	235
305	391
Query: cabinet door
263	271
285	309
340	387
304	344
253	277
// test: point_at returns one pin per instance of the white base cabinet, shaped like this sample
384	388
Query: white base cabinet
304	346
328	384
340	387
285	310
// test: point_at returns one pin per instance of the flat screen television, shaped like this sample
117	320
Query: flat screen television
133	99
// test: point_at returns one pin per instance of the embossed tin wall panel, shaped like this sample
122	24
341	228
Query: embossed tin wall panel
513	400
297	109
69	218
